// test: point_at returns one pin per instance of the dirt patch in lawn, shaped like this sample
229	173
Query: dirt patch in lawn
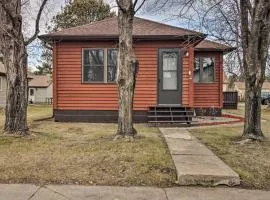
251	161
84	153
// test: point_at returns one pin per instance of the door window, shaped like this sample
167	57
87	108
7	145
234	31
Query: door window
169	61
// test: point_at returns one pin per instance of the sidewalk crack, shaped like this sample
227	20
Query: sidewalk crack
35	192
56	192
167	198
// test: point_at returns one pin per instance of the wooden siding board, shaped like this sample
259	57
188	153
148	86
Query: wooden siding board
72	94
55	76
209	94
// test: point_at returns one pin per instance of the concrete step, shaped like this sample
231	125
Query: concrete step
195	163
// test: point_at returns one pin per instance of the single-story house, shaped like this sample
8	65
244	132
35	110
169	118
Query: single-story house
239	86
40	89
177	68
3	85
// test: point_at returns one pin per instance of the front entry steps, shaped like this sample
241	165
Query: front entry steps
170	114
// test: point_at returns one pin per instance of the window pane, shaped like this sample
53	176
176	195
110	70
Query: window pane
208	65
170	80
31	92
170	61
112	57
93	65
196	70
94	57
111	73
94	73
112	65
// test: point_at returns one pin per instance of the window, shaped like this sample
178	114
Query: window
204	69
99	65
112	65
94	65
31	92
170	71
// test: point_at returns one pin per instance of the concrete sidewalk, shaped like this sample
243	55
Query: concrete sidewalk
195	163
75	192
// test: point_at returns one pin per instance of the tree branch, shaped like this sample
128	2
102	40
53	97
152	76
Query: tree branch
9	12
249	6
24	2
135	3
31	39
120	6
139	7
244	25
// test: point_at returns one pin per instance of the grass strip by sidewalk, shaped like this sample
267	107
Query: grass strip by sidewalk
251	161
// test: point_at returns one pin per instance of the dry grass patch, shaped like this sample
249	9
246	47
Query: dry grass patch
83	153
251	161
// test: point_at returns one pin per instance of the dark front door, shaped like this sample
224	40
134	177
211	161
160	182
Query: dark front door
169	76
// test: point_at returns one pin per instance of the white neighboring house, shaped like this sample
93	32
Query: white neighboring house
40	89
3	85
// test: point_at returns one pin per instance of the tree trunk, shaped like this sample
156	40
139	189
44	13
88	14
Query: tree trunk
252	126
12	47
126	70
255	27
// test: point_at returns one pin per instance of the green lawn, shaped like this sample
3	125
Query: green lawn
252	160
84	153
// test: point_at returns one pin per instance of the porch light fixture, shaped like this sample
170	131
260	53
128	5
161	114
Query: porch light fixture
187	54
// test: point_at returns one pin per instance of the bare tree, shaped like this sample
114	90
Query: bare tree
13	49
245	24
255	26
126	68
219	19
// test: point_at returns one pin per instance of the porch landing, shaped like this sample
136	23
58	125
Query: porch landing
195	163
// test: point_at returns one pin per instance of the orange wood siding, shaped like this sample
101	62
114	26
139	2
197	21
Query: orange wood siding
210	94
71	94
55	76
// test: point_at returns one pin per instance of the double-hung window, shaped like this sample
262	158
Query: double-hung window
204	69
99	65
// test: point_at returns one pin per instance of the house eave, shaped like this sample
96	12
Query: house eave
225	51
37	86
58	38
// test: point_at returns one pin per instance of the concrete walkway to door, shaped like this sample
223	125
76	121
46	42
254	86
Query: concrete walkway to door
195	163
